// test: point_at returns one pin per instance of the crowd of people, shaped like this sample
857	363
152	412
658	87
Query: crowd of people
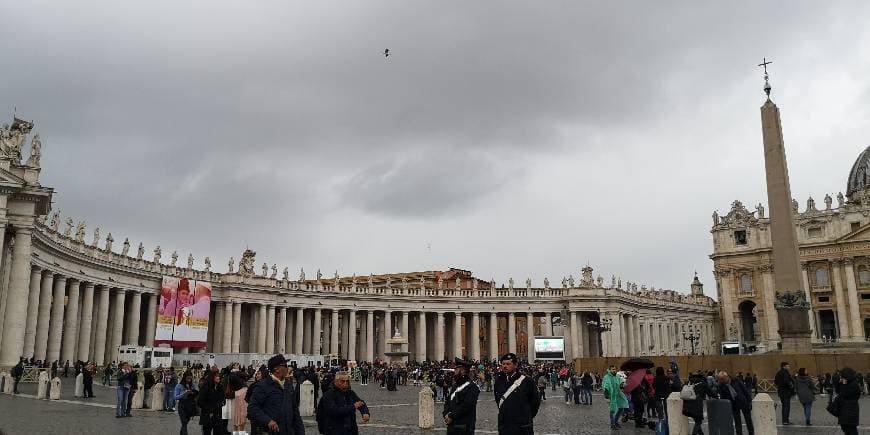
266	398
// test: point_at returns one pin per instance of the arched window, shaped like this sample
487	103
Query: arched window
746	283
863	276
822	277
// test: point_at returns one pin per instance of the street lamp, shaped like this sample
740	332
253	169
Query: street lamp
600	326
692	335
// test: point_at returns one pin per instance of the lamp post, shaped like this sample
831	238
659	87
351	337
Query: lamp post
600	326
692	335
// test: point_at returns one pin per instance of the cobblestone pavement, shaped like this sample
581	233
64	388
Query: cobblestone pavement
392	413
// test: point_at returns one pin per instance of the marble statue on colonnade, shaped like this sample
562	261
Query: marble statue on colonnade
126	249
35	152
207	263
141	251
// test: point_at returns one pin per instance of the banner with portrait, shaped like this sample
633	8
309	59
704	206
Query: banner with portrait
182	314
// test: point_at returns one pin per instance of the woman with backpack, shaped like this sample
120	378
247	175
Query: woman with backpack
806	393
693	394
185	399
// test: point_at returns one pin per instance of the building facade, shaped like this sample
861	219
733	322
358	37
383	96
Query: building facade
834	245
66	298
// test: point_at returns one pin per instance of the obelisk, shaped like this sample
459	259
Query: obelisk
791	303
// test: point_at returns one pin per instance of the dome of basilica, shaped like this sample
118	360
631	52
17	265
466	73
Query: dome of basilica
859	176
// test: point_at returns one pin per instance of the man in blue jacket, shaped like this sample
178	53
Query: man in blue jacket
273	406
339	405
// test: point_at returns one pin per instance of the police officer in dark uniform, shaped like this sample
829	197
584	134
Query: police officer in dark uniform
517	399
460	405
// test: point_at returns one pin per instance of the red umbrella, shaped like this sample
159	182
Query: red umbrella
634	379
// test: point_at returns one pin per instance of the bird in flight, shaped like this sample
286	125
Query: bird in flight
386	52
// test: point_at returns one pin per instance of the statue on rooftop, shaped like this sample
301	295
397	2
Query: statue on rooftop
80	231
141	252
274	271
207	262
35	152
190	261
55	220
157	254
126	249
828	201
109	241
840	199
286	274
301	274
231	265
96	241
173	259
265	270
760	210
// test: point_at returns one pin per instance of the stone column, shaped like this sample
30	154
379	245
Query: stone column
810	314
151	320
262	324
614	337
270	329
118	329
855	326
281	345
440	339
421	337
512	333
237	327
839	295
493	336
388	329
15	318
770	315
575	332
101	326
317	332
32	311
475	336
351	344
42	325
298	331
333	333
548	326
370	336
457	335
227	328
530	336
56	327
133	319
405	330
86	322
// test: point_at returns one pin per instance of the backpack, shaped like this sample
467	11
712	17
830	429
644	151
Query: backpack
688	392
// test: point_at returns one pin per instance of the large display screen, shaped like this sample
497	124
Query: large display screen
182	314
550	348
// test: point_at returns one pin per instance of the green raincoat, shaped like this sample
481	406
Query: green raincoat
612	386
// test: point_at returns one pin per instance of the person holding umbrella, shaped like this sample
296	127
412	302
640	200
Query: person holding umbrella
637	386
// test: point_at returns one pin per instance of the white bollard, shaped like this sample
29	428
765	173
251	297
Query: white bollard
55	389
306	399
7	382
80	386
764	413
42	385
426	404
157	397
678	424
138	397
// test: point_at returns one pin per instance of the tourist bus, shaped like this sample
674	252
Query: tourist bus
144	356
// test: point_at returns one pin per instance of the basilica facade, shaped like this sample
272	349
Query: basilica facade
70	293
834	248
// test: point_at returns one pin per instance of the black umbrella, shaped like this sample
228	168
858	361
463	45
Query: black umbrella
633	364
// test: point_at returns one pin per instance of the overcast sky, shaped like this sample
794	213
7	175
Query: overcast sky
511	139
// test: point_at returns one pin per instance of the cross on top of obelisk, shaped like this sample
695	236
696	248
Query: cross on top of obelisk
767	88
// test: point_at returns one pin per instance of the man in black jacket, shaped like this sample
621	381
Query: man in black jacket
785	390
273	405
517	399
741	401
460	405
339	405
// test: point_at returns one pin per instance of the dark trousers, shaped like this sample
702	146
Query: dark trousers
89	388
586	395
15	385
849	429
638	413
130	400
184	420
208	429
738	426
786	406
576	395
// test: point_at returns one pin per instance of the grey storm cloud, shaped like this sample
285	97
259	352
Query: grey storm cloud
571	131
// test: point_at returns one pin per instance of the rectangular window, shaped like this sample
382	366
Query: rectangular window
824	299
855	226
814	232
865	296
740	237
